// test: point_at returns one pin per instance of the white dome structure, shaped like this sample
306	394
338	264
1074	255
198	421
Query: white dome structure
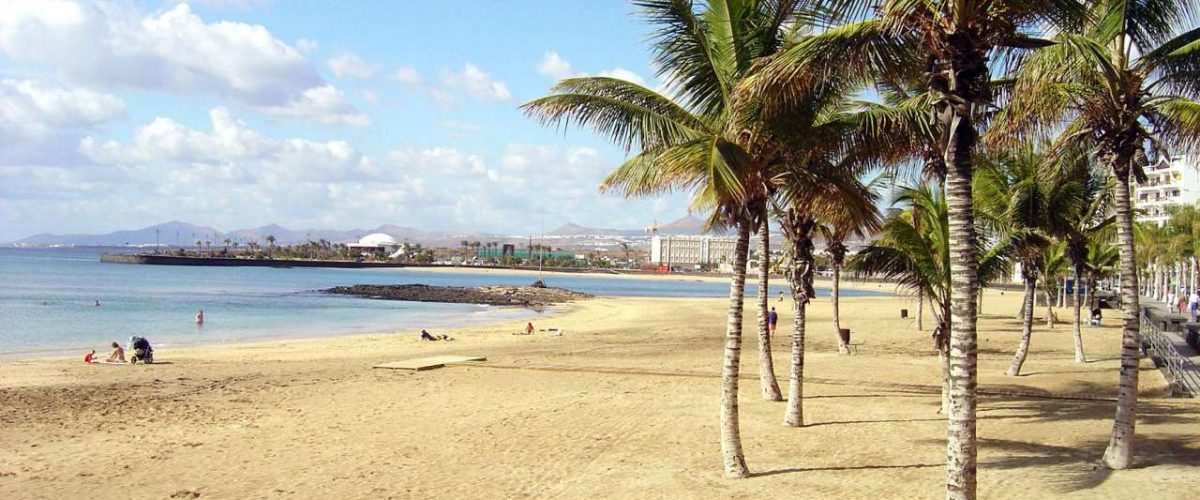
377	240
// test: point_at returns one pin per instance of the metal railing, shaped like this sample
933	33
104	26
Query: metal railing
1183	374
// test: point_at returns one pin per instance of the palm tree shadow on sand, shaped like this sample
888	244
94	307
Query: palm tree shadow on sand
1078	468
844	468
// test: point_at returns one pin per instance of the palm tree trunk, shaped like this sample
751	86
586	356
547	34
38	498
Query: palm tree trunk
800	279
1046	284
941	341
961	451
920	309
1091	283
837	320
766	365
1062	294
731	439
1079	356
1119	454
1026	326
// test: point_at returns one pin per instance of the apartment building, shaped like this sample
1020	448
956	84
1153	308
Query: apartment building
1169	184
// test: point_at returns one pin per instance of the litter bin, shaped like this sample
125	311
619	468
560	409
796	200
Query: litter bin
844	333
903	313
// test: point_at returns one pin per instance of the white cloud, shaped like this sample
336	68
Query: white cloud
477	84
352	65
307	45
38	122
233	149
233	4
442	99
406	75
371	97
324	104
623	74
114	46
554	66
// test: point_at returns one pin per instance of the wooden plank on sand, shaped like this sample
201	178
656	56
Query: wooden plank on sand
429	363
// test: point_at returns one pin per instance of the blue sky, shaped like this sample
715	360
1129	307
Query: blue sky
237	113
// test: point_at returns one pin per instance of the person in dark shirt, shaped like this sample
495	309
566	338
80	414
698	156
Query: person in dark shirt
772	320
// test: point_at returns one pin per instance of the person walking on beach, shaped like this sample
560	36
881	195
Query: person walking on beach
529	329
200	317
1193	305
772	320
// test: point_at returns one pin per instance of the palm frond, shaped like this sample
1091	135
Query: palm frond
631	115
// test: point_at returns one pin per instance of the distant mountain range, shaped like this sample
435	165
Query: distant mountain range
186	234
684	225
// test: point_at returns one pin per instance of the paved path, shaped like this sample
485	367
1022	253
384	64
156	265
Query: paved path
1185	369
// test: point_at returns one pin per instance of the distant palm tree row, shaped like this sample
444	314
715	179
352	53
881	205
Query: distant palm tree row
775	110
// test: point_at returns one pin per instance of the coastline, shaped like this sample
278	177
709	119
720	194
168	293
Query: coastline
621	405
820	282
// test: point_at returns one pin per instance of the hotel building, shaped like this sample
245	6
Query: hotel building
689	251
1169	184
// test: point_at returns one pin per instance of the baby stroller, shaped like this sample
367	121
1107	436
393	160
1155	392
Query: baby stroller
141	350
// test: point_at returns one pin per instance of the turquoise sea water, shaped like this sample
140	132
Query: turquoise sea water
47	299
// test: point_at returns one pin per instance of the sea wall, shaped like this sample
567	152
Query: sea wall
178	260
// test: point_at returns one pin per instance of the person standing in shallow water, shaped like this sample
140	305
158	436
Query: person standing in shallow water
200	317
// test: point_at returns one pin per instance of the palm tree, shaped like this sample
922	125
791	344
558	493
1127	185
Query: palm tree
768	384
835	232
686	141
913	249
1103	261
812	192
953	40
1088	223
1023	197
1125	86
270	245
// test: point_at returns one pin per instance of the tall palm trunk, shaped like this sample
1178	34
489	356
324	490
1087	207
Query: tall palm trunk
1079	356
1119	454
731	440
1050	318
920	309
1026	325
766	365
1091	295
1062	294
941	342
966	75
800	277
837	319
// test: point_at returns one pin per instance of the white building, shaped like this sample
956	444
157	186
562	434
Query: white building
375	243
1168	184
690	251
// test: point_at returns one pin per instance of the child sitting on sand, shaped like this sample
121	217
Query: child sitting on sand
89	357
118	354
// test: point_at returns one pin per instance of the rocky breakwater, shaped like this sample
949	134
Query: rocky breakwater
524	296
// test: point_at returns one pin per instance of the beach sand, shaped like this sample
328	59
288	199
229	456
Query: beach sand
624	405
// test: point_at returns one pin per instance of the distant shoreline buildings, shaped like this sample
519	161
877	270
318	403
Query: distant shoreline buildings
1169	184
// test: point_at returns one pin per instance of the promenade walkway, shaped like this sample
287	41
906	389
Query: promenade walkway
1175	357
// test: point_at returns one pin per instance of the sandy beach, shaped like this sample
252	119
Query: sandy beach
623	405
